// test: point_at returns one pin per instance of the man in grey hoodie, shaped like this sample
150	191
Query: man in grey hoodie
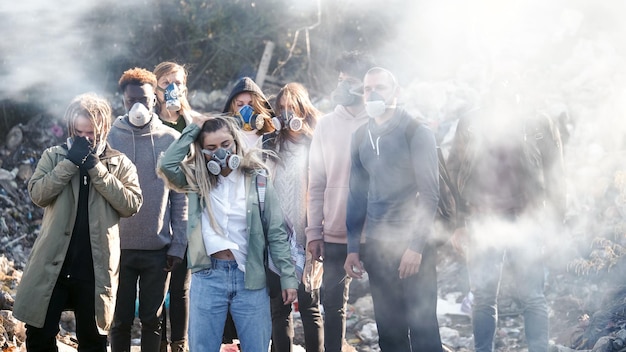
153	242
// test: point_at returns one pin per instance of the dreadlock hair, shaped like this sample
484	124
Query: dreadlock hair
93	107
165	68
137	76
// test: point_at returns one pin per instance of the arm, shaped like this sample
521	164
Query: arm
457	155
315	198
423	151
50	178
121	190
316	190
278	240
356	211
169	165
178	216
551	149
426	169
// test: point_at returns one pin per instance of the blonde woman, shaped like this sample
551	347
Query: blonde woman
227	243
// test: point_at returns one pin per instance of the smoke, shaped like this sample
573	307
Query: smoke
53	51
566	59
567	55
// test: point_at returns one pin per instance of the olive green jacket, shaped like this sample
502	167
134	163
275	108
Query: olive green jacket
277	236
114	192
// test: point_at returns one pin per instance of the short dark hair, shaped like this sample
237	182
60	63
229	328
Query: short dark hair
354	63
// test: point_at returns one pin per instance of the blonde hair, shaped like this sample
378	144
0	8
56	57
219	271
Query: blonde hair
96	109
199	179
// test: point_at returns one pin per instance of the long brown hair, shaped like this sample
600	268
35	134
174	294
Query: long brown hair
299	103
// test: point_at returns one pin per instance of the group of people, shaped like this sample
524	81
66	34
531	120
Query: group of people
166	199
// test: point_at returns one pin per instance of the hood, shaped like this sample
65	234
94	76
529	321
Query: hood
341	112
123	123
399	115
246	84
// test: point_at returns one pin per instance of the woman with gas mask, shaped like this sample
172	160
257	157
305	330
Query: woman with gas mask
174	111
225	229
251	109
288	164
173	107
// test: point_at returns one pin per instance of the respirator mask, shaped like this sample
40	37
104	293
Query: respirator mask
250	120
287	120
139	115
172	95
221	158
375	106
345	94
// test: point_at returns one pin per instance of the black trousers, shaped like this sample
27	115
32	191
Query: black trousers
405	309
78	295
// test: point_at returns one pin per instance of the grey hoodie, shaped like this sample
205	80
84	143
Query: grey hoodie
162	220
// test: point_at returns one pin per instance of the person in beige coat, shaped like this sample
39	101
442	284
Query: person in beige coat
84	187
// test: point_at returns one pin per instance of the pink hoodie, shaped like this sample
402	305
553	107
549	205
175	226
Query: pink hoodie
329	175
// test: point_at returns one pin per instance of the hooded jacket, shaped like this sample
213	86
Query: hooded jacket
394	183
246	84
329	175
162	221
114	192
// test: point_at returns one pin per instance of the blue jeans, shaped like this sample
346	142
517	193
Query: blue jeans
485	271
335	294
217	290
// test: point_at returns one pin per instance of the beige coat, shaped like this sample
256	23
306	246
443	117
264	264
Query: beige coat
114	192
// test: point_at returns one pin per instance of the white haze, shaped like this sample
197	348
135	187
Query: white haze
567	56
569	53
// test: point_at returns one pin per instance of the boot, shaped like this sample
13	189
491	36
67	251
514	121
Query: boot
179	346
163	346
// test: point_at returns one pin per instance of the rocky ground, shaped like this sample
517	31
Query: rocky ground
585	294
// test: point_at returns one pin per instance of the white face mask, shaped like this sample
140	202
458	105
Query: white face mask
375	108
139	115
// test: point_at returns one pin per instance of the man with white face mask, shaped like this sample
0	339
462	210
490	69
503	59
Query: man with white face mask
154	241
394	189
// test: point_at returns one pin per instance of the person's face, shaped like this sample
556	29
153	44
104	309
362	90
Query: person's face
242	99
177	77
84	128
221	138
354	82
378	82
143	94
284	105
